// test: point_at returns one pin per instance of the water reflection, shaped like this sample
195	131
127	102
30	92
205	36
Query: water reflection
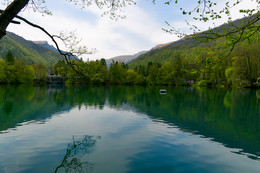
73	160
227	116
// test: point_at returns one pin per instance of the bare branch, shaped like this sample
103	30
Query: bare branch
68	56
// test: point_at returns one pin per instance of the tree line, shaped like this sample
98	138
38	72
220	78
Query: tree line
204	65
16	70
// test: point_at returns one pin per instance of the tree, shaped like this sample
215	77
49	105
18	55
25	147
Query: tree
9	58
40	71
117	72
103	62
131	76
152	70
166	74
61	68
245	63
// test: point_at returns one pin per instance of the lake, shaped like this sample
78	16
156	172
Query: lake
123	129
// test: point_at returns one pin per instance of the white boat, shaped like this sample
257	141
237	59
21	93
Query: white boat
163	91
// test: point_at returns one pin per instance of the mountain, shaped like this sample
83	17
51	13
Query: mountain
164	52
169	51
46	45
28	50
124	58
128	58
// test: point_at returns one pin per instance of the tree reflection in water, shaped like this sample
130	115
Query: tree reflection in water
73	160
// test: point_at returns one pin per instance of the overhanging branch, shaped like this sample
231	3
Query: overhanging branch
68	56
12	21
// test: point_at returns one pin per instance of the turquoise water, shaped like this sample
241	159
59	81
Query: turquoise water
128	129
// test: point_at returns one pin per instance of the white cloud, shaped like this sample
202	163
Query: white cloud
140	31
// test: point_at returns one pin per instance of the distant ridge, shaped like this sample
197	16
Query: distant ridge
124	58
45	44
40	42
162	45
129	58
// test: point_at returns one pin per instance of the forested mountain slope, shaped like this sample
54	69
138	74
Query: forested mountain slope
167	53
27	50
216	62
172	50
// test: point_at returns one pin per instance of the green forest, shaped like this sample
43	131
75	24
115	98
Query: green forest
187	63
194	63
15	70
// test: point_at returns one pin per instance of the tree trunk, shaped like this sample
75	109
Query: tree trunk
9	13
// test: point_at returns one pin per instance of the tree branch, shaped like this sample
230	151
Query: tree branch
9	14
68	56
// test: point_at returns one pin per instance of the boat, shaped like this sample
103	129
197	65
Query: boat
163	91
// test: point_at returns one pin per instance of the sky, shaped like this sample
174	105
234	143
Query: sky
141	30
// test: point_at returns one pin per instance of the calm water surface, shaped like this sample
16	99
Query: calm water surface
128	129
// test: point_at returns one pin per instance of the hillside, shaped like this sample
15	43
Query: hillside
169	51
165	52
27	50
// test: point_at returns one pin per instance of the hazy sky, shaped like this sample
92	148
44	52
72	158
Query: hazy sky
141	30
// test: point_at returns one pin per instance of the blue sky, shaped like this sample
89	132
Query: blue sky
141	30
